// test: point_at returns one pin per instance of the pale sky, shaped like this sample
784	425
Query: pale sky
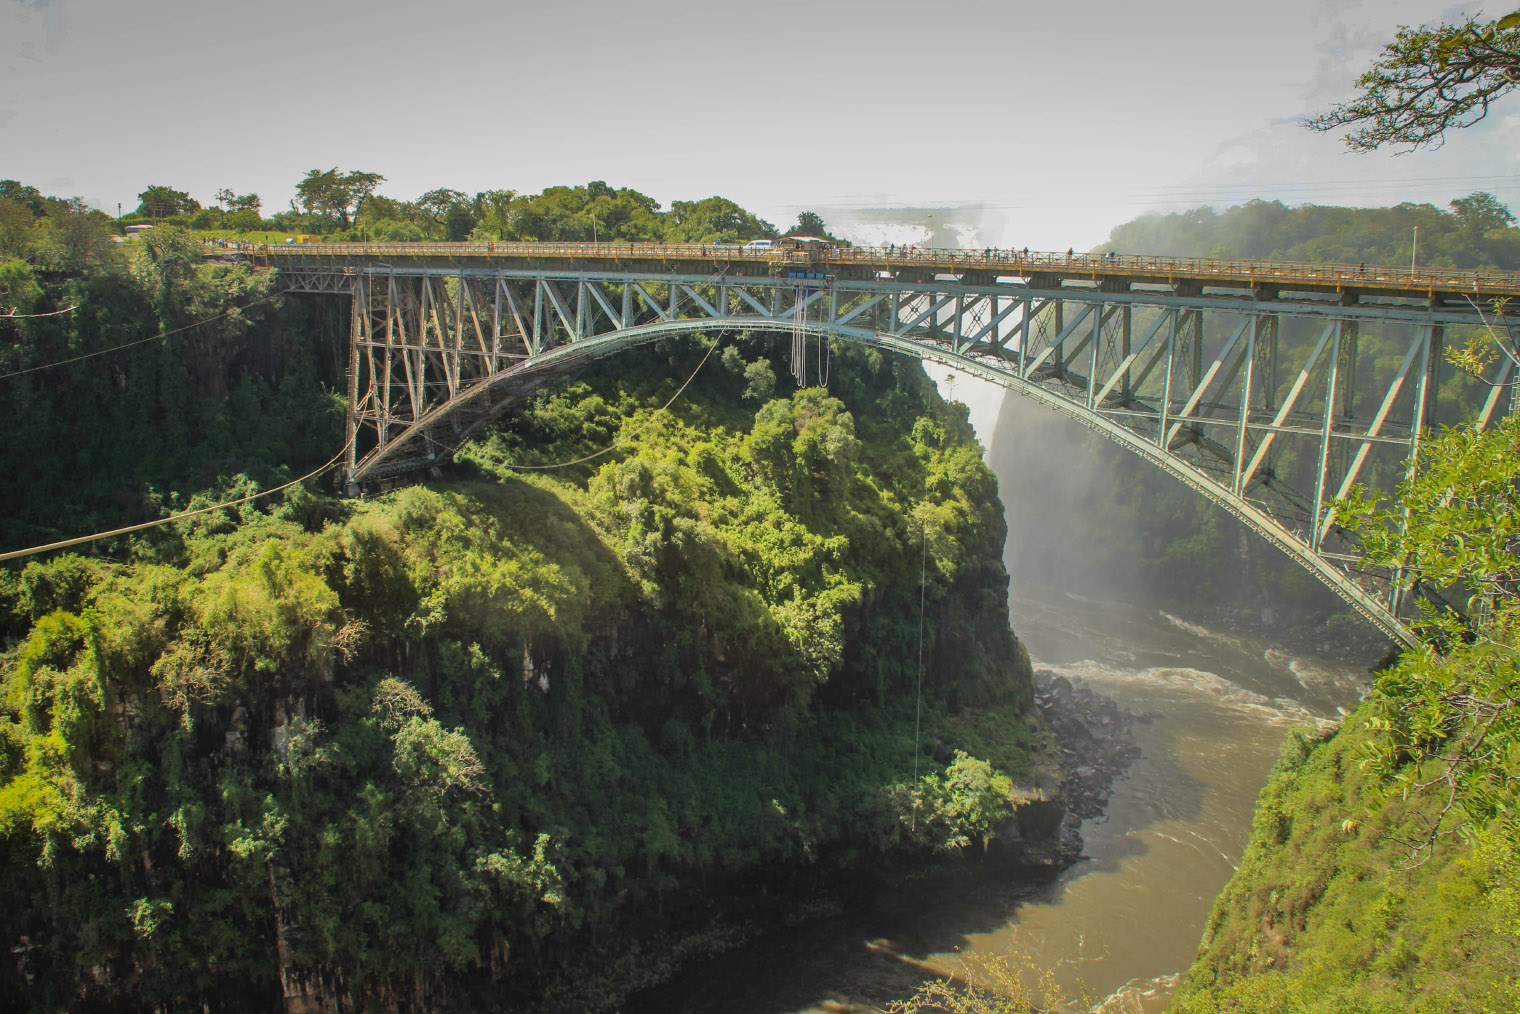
1015	123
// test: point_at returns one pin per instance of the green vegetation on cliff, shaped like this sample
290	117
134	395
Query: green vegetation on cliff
1380	873
1330	913
519	738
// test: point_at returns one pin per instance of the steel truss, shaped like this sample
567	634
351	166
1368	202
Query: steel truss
1271	408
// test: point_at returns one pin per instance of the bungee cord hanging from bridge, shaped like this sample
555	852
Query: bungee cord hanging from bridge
1271	388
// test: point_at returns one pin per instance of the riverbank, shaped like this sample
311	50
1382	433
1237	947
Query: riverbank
797	936
1096	738
1207	712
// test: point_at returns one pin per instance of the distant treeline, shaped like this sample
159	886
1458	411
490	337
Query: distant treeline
344	205
1477	232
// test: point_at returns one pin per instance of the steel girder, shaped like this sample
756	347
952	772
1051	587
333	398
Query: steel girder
1272	409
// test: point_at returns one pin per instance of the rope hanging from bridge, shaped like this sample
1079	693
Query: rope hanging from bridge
620	442
918	681
799	339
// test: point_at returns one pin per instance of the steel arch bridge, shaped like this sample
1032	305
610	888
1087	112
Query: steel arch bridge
1271	388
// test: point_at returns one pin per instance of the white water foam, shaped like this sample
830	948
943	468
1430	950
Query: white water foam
1194	682
1130	998
1207	633
1337	684
1196	629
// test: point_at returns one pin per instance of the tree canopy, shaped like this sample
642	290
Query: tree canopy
1430	80
161	202
339	195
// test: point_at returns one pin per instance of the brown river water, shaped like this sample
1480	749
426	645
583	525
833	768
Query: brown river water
1126	920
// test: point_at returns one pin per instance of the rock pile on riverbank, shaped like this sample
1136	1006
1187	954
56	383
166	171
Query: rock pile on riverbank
1097	743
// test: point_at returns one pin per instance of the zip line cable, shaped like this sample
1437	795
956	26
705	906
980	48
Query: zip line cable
34	550
13	315
140	341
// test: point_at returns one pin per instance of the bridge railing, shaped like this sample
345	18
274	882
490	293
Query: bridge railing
1483	285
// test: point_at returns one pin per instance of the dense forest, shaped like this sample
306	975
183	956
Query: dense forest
522	738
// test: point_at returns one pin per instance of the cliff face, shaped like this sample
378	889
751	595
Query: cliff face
507	740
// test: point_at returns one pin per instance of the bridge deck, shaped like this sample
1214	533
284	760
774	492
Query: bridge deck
1119	272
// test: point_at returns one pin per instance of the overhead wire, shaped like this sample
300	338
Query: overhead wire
620	442
13	315
141	341
17	554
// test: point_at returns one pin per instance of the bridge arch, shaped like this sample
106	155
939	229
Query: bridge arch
1184	364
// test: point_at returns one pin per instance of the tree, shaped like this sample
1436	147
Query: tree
438	202
714	218
493	214
73	235
243	220
1480	213
1429	81
810	223
336	195
161	202
15	229
13	190
452	212
1449	712
224	197
245	202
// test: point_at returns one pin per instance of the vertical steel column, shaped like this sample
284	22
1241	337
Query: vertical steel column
1093	356
1023	332
1332	391
358	303
390	357
538	316
1058	361
1125	339
495	361
457	352
1269	328
1346	410
955	332
1166	383
1424	409
1245	408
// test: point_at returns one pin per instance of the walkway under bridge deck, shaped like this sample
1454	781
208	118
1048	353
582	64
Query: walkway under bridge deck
1271	388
